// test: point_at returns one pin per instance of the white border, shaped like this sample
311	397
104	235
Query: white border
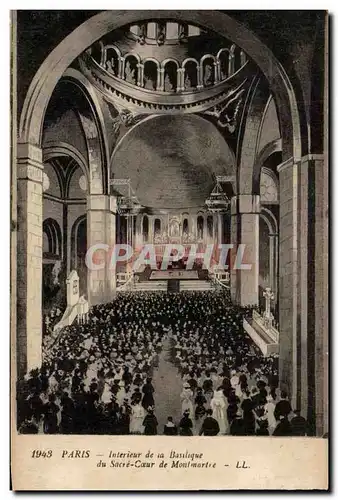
5	171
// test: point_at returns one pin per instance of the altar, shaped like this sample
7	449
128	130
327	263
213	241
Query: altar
174	274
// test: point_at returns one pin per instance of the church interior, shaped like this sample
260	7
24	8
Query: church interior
189	128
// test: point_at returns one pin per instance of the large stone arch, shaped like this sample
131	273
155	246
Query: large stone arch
46	78
94	130
52	149
30	141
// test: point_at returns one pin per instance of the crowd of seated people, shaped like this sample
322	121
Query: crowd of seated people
97	379
224	375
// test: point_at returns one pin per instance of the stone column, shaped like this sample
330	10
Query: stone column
29	257
183	79
161	79
151	219
321	292
138	235
289	280
101	229
303	286
231	62
272	262
199	77
121	67
140	74
216	73
200	73
220	228
180	79
245	231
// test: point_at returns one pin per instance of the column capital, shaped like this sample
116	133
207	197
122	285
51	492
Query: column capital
313	157
27	151
245	204
29	163
101	202
286	164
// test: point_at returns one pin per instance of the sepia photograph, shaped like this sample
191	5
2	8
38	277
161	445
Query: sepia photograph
169	226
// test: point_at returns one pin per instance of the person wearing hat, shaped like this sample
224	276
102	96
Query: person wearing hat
150	423
148	391
237	425
170	429
283	407
187	398
283	427
298	424
186	424
210	425
121	394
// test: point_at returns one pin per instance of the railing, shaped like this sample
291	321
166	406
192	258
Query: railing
128	284
217	282
266	324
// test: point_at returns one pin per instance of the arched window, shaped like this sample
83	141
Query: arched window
190	75
157	226
170	76
208	72
185	226
223	57
51	238
145	229
79	243
112	61
96	52
130	69
210	225
200	227
150	75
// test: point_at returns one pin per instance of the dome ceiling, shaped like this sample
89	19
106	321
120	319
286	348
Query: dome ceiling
165	65
172	161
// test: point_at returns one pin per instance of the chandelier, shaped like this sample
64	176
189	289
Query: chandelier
218	201
128	205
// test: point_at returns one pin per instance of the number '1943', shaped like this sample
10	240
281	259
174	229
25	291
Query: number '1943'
42	453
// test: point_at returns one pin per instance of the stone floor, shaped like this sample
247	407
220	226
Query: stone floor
168	387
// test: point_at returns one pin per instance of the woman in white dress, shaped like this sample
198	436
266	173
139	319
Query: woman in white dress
219	407
121	394
269	412
136	421
187	398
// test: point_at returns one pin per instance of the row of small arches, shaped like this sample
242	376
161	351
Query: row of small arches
203	224
169	75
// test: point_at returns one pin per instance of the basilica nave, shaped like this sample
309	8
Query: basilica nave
181	128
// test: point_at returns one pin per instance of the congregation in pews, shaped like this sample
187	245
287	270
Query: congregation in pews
107	376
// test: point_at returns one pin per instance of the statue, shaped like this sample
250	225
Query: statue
130	73
224	75
168	86
268	316
160	35
110	65
187	82
149	83
142	34
174	228
207	79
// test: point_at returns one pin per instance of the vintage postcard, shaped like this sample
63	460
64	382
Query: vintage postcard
169	250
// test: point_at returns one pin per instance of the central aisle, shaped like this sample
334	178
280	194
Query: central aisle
168	386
